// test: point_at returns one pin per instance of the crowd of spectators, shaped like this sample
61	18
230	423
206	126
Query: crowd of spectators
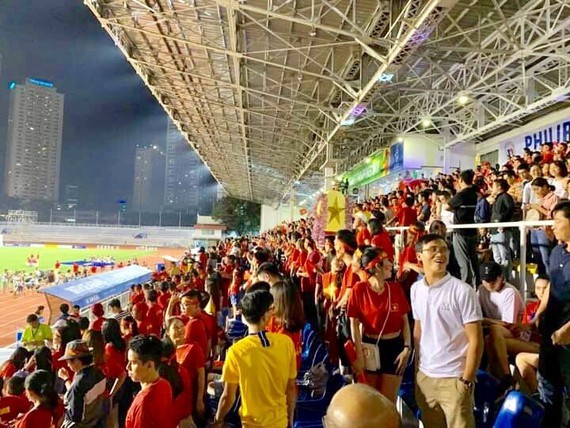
219	338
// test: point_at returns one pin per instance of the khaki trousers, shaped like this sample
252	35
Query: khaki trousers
444	402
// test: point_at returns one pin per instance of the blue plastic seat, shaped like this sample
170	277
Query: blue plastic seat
518	410
310	410
486	394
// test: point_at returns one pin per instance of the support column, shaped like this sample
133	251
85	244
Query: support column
329	178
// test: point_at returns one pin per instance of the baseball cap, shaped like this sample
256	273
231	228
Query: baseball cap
76	349
490	271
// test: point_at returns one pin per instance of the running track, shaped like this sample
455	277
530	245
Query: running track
15	309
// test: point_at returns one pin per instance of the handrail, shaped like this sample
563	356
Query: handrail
522	225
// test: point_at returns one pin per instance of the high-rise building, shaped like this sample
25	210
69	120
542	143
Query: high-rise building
189	186
33	154
149	179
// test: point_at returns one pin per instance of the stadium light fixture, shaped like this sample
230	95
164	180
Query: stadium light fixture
463	99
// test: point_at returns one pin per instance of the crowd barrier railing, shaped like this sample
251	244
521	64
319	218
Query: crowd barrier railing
523	226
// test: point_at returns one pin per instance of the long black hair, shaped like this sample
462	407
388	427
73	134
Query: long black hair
168	367
111	331
41	383
19	357
44	360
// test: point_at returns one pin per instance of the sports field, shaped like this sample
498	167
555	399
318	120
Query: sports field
15	258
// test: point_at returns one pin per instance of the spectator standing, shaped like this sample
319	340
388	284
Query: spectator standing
99	313
263	366
502	211
554	360
153	405
465	240
448	338
539	239
116	311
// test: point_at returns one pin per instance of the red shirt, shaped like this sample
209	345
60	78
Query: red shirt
13	405
382	241
183	402
38	417
191	357
362	235
196	332
530	311
371	308
137	298
163	300
112	353
8	370
155	316
407	216
152	407
145	326
112	369
349	279
97	325
210	322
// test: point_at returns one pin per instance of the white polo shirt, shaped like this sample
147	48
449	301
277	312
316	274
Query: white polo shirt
443	309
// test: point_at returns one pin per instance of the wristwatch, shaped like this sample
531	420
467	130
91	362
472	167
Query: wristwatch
466	382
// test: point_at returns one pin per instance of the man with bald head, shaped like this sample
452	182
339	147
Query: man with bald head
360	406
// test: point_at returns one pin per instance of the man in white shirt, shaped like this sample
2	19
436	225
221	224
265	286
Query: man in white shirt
448	339
505	336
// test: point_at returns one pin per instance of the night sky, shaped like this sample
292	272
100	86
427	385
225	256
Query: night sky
108	110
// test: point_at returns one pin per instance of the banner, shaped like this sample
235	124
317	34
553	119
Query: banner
552	133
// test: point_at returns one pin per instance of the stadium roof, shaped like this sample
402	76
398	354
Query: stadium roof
268	91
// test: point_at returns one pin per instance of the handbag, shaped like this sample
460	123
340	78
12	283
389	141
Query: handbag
371	351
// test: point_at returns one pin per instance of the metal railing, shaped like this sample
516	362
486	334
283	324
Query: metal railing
523	226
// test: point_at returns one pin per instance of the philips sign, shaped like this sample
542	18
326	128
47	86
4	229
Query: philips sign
532	137
556	133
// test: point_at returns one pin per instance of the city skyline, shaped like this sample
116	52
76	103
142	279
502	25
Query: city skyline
108	110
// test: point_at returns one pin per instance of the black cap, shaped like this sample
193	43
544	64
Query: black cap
490	271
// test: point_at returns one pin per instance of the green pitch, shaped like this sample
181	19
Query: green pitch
15	258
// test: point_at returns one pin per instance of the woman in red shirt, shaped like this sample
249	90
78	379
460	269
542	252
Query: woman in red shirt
16	362
288	314
380	309
180	383
48	409
192	358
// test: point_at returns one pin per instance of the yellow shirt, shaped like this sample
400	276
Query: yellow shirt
262	365
39	335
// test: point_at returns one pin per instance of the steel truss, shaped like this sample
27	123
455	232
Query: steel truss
266	91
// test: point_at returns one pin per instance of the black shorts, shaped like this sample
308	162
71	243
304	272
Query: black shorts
389	351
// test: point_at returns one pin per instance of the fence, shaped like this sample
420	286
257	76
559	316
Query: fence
523	226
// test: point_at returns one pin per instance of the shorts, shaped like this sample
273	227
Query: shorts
389	351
